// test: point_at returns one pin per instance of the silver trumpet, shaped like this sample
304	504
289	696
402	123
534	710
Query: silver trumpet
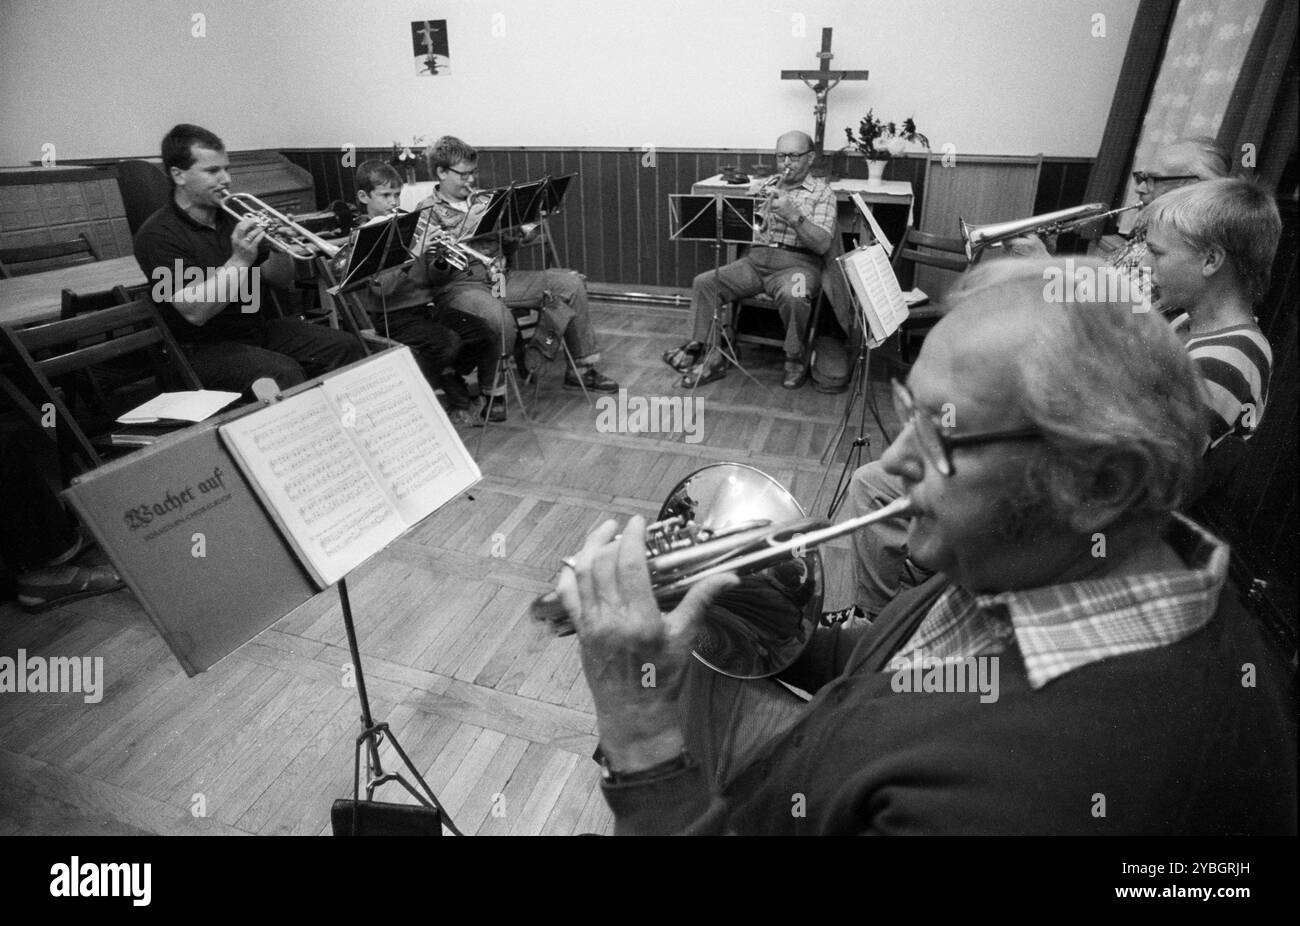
732	518
282	232
442	247
978	237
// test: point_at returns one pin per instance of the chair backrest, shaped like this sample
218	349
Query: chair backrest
352	317
43	354
35	258
74	303
145	189
918	247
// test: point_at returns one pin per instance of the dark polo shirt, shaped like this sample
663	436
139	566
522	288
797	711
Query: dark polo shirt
171	244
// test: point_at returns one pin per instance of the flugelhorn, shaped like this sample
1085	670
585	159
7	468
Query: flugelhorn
728	517
767	190
282	232
978	237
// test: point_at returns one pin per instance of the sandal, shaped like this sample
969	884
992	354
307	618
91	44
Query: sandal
684	357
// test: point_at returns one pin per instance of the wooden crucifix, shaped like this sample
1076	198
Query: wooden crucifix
825	80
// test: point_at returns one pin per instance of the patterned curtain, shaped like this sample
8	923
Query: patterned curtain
1203	59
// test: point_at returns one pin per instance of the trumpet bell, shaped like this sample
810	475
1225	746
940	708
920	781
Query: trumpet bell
759	627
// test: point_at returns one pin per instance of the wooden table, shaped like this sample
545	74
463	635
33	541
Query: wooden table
37	297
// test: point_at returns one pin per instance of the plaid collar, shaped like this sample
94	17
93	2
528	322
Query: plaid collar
1059	628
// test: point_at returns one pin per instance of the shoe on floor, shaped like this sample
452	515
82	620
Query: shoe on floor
712	369
796	374
683	358
497	414
44	588
456	392
593	379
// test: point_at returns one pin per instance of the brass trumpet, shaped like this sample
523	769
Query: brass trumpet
978	237
282	232
729	517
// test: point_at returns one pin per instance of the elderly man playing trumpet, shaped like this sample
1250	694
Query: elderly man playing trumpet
785	263
1046	447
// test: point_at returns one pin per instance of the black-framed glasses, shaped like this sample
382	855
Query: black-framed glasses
464	173
1141	176
792	156
933	438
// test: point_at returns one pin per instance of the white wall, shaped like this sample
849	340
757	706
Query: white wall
101	78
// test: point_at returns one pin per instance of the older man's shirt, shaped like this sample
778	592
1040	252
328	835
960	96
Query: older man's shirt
815	200
1063	627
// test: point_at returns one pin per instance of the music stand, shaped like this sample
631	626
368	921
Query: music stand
716	218
549	203
861	381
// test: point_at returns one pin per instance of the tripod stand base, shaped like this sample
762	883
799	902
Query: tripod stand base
374	818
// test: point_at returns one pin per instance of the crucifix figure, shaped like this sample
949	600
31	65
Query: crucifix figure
825	80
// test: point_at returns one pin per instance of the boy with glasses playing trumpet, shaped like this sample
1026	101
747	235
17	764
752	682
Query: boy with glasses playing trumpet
786	263
477	288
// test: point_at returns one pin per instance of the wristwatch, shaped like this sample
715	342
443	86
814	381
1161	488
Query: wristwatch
676	764
799	221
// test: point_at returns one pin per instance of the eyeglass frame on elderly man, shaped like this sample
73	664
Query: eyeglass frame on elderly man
933	438
1141	177
790	156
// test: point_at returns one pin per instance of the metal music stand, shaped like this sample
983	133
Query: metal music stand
858	392
715	218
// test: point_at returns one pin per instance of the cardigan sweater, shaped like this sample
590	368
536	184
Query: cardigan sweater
1196	737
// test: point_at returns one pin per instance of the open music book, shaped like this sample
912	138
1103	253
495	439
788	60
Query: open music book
347	466
879	296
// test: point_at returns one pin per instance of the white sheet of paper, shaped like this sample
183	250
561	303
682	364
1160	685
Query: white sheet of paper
195	405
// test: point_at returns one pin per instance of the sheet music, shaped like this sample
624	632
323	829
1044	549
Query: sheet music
311	474
877	289
403	433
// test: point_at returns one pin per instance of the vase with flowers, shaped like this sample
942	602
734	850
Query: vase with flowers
879	141
406	157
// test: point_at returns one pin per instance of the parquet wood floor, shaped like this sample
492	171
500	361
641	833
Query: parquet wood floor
493	710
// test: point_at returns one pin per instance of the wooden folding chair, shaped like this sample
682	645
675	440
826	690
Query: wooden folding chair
40	357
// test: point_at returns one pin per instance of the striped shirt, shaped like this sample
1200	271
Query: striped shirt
1059	628
815	200
1235	364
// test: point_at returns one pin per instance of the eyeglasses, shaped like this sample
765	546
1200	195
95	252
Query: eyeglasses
1141	176
787	156
933	438
463	173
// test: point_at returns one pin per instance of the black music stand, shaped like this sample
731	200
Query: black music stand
858	391
716	218
377	246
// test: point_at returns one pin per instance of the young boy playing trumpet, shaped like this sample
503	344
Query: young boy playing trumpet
447	343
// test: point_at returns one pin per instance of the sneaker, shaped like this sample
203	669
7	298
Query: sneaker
849	615
44	588
684	357
456	392
593	379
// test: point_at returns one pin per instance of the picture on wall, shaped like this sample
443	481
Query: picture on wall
429	42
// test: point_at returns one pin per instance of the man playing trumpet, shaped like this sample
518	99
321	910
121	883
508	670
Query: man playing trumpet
206	266
1046	447
786	263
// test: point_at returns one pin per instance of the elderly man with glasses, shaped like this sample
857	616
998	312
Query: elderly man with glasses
785	262
1079	662
880	551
